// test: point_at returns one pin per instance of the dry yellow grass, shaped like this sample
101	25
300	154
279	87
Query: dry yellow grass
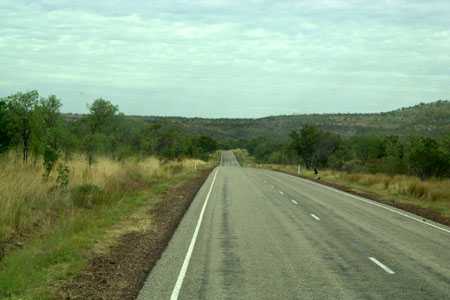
429	190
28	201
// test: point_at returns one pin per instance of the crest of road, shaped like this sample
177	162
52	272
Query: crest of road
259	234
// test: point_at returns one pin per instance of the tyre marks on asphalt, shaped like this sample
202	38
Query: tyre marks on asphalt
231	265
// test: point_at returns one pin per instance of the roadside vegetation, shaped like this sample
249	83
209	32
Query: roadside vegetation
49	163
67	185
49	234
28	202
313	147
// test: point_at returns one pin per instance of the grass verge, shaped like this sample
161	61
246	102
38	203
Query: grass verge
50	235
120	272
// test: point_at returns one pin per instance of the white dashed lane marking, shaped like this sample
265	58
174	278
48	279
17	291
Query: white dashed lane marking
381	265
315	217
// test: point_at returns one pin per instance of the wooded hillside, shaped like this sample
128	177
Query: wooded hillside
431	119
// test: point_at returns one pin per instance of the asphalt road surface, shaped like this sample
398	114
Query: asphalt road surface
258	234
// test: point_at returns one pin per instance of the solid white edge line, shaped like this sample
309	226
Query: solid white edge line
381	265
371	202
315	217
295	202
187	259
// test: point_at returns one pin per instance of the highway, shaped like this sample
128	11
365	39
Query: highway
259	234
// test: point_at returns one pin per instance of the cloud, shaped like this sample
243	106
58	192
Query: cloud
249	54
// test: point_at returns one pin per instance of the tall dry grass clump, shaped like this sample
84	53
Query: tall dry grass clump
434	190
24	195
29	201
430	190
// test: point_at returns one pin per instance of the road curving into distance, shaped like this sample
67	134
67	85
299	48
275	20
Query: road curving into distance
259	234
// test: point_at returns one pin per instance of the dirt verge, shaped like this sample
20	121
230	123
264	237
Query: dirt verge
424	212
121	273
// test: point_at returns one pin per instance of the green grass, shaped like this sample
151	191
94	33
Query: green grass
53	256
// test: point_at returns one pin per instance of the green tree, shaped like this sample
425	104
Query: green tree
203	146
305	144
5	137
171	144
102	115
394	160
367	148
341	156
327	144
100	122
425	158
148	139
445	149
22	119
53	131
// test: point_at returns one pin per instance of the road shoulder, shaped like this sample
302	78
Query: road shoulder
120	272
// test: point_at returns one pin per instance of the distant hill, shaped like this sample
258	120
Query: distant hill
431	119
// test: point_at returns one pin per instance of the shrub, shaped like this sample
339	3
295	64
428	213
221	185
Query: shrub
87	196
354	166
50	157
417	189
62	180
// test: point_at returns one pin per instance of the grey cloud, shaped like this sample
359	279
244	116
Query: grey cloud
252	54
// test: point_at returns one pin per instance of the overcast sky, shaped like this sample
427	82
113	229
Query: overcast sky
228	58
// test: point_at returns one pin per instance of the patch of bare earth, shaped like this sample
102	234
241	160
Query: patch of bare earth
121	272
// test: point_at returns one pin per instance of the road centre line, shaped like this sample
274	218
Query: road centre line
381	265
315	217
187	259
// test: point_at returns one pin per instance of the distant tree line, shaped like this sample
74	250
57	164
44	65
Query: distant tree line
315	148
34	127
